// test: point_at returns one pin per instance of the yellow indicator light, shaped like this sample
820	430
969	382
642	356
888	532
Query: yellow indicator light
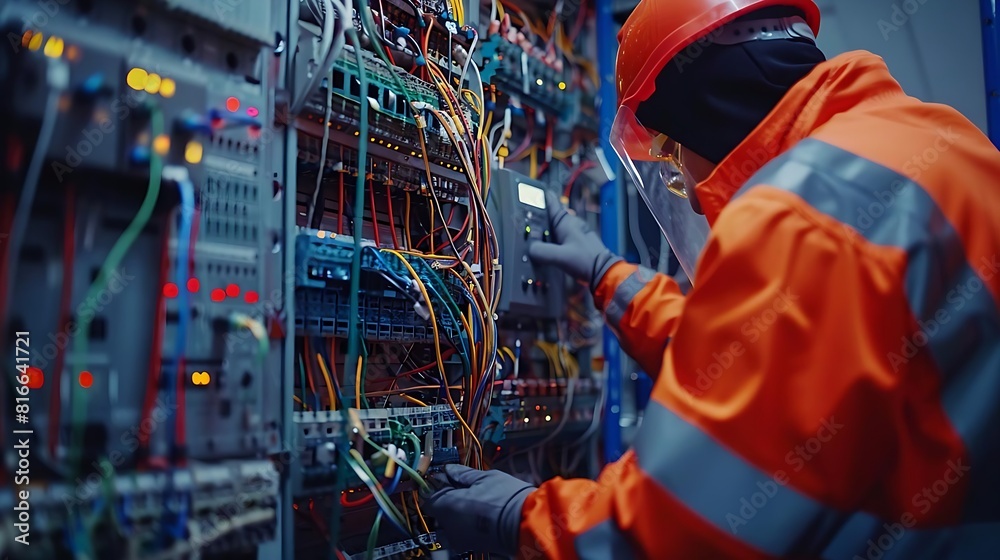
539	81
35	42
413	153
136	79
373	139
153	83
167	87
54	47
26	38
161	144
389	145
321	234
562	85
200	378
527	229
357	133
193	152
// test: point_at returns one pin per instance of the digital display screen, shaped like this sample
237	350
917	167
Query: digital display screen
531	195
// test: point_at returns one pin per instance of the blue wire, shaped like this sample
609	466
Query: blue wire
183	312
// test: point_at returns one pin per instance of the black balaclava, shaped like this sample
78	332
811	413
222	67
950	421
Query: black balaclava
710	102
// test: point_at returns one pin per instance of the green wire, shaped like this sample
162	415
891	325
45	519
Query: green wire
368	25
352	329
359	210
373	537
115	257
366	476
409	470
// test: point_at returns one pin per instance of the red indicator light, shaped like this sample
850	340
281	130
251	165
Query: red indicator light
232	290
35	378
252	111
251	297
193	285
86	379
233	104
218	294
170	290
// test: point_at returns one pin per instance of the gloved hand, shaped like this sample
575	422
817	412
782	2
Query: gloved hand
478	510
577	250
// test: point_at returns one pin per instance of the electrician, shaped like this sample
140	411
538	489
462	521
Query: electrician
830	386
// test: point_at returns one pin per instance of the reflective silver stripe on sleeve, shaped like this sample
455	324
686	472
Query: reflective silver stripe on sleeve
603	542
625	293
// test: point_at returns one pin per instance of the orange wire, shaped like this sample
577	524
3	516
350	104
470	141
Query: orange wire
309	373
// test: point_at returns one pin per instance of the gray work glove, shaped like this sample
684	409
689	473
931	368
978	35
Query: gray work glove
577	250
478	511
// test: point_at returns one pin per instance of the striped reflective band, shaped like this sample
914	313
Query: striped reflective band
958	318
730	493
603	542
868	538
625	292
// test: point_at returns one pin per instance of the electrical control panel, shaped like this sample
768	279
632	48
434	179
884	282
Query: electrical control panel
521	218
272	260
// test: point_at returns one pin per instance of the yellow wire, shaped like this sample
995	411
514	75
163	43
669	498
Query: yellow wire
298	400
437	343
420	514
329	381
533	164
357	385
406	514
509	352
415	401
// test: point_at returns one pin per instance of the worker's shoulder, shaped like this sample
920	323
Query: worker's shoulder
886	177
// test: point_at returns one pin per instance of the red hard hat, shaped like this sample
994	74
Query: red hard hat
659	29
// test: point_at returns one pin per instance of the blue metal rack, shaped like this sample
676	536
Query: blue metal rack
991	62
607	50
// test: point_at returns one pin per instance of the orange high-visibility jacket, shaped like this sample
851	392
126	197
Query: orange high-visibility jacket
830	387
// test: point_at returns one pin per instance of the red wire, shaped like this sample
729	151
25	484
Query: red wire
392	220
344	501
155	354
340	211
437	229
65	300
574	175
371	196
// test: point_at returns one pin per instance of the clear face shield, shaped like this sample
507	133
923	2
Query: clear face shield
654	163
